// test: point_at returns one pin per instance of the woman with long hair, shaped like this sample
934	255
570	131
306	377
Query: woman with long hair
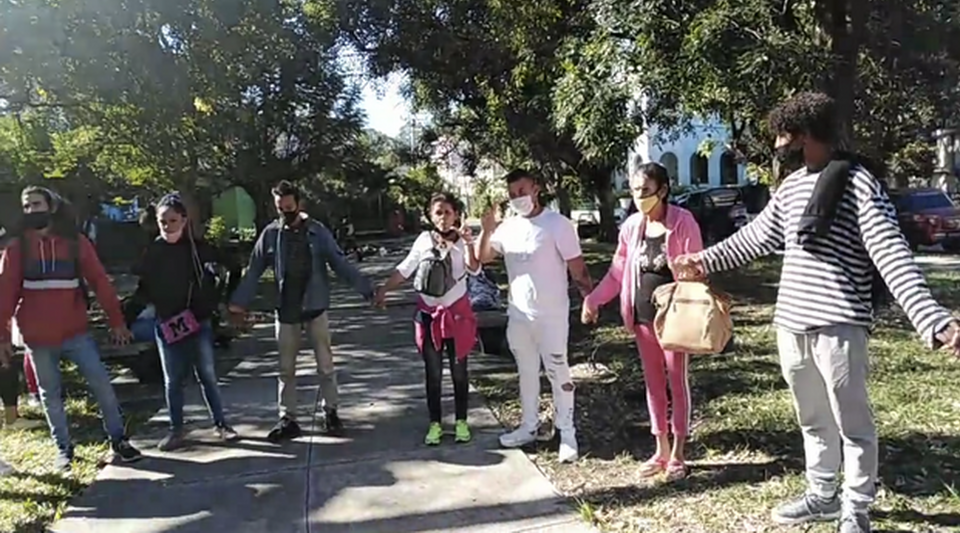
649	241
177	277
445	325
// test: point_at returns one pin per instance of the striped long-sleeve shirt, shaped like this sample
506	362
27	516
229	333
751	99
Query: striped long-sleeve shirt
829	282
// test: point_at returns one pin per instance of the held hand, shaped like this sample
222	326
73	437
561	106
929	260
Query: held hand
6	354
380	298
489	220
688	267
950	337
588	314
238	317
121	336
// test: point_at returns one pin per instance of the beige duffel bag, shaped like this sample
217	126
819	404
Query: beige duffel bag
692	318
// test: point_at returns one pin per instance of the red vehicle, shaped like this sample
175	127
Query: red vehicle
928	217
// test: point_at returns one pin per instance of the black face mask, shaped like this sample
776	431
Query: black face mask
450	235
289	217
790	156
36	220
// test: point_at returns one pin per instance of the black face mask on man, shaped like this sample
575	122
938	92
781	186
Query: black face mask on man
289	217
790	156
36	220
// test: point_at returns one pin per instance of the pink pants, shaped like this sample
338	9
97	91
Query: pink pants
30	374
660	368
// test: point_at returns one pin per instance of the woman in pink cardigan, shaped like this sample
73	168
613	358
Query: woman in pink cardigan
649	241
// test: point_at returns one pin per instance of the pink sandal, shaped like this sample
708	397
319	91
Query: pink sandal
677	470
653	467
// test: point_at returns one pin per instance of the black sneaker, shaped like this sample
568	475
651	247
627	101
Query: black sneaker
63	462
332	425
125	451
807	508
285	429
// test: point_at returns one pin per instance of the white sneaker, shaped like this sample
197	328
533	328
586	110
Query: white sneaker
568	452
518	437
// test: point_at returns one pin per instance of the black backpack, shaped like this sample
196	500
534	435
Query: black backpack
434	276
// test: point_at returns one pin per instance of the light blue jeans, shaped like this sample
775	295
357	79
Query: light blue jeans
83	351
192	354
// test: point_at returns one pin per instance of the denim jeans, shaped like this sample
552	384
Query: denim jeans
193	353
144	329
83	351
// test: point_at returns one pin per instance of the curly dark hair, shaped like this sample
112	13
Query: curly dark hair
809	113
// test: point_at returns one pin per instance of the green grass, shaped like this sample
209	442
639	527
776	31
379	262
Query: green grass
746	452
35	495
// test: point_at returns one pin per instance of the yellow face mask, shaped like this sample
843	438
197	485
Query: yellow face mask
648	204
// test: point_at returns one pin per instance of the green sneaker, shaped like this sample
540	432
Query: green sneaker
434	434
462	431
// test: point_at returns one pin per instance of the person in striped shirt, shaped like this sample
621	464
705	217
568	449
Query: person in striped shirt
824	309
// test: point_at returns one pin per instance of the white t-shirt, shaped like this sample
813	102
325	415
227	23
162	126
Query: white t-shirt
536	251
422	249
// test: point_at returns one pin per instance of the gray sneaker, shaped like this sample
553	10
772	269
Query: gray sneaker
172	441
854	523
807	508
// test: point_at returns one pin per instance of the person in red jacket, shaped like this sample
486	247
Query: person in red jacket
43	277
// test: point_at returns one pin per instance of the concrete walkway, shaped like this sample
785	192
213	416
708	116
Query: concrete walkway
378	478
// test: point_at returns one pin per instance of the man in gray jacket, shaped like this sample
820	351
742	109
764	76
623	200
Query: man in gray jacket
298	249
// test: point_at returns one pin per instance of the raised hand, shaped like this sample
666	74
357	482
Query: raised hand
489	220
466	234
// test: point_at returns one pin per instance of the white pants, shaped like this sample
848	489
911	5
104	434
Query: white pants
533	341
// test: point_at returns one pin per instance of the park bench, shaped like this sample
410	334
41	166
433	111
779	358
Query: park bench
492	331
141	358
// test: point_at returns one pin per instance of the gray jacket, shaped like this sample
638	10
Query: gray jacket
268	252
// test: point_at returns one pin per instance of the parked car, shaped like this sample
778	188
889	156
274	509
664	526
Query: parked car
928	217
720	211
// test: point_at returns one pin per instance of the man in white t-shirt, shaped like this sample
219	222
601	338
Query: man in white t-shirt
539	247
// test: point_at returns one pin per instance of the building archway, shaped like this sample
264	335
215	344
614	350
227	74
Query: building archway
728	169
699	170
669	161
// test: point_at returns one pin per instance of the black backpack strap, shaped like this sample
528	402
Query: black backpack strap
74	245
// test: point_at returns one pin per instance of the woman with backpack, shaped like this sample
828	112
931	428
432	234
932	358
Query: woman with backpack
445	325
177	277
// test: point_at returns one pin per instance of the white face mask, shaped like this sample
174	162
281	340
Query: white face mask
522	205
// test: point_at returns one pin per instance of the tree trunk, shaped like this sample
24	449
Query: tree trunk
602	180
564	202
845	28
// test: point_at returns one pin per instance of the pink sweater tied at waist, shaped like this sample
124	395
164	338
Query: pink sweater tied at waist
457	322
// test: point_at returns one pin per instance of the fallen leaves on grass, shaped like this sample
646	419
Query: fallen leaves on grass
747	454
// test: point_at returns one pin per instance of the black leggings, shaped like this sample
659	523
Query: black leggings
10	385
433	364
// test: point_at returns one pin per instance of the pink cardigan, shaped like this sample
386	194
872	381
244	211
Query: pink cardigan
683	237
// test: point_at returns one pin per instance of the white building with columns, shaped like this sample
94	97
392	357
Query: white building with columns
679	152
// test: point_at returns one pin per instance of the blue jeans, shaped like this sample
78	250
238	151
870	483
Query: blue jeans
144	329
83	351
193	353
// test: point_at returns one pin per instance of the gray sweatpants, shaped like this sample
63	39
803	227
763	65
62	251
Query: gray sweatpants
826	371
